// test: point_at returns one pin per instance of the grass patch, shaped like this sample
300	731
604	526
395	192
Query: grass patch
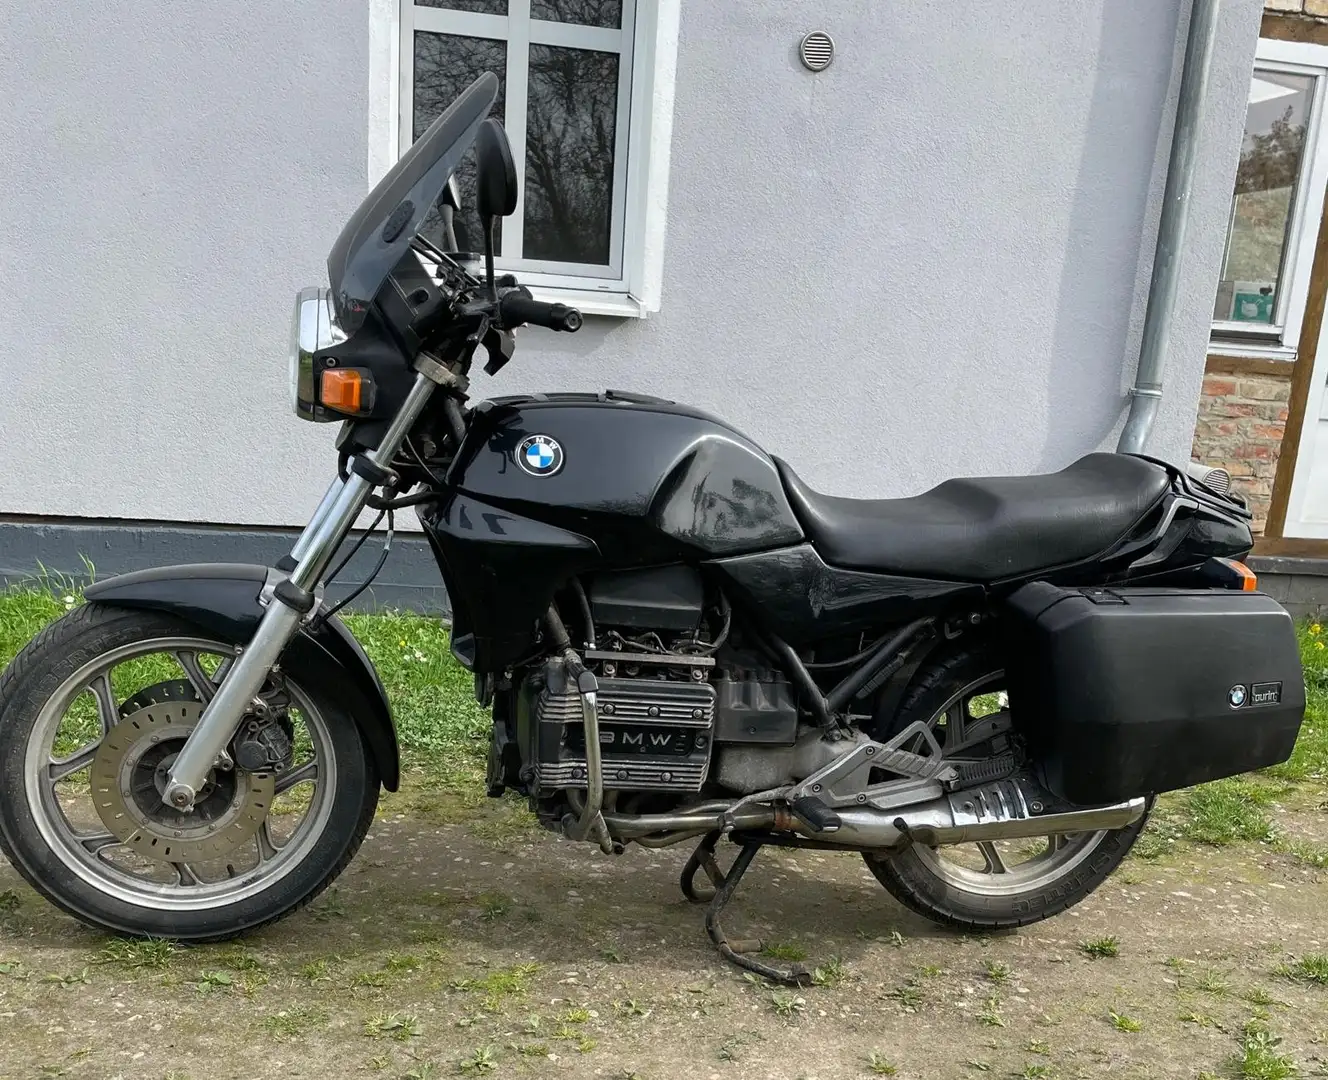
294	1022
1212	981
779	950
880	1065
1312	967
208	981
72	979
831	973
399	1026
433	697
1311	854
1122	1022
494	906
1226	811
990	1014
1101	948
497	986
996	971
139	953
1258	1058
787	1005
482	1060
909	995
1309	761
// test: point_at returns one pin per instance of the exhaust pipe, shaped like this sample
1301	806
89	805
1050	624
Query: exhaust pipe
996	811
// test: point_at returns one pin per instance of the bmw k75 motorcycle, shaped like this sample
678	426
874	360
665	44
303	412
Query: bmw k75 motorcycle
979	688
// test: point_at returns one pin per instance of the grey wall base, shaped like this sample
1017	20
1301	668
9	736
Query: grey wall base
79	549
1299	585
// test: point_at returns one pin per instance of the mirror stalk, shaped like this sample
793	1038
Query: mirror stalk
489	223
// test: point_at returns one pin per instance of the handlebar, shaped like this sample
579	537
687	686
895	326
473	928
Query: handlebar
518	307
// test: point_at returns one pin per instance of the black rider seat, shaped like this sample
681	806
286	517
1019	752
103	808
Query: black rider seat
986	528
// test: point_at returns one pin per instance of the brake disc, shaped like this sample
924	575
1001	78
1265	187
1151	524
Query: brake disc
129	774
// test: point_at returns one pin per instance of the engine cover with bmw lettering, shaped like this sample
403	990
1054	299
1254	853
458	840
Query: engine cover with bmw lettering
654	734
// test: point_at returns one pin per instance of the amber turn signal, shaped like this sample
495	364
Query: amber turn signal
1233	574
1249	579
345	390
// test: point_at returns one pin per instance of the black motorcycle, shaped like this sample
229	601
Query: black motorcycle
980	688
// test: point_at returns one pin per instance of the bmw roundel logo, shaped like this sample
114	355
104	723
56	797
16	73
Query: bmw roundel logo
539	455
1237	696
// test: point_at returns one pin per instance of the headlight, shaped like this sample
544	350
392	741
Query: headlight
313	328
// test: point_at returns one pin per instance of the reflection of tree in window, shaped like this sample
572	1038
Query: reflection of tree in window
444	66
485	7
581	12
571	115
1265	184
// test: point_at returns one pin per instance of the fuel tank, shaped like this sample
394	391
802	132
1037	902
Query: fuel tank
546	488
644	478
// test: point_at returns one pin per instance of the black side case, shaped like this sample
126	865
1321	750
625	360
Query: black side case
1125	692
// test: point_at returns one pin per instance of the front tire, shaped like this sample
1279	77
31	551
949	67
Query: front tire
980	887
77	691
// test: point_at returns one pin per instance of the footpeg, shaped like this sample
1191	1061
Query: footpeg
813	813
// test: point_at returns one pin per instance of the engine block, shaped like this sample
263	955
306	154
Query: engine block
655	734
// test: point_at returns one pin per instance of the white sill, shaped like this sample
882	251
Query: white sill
593	302
1252	350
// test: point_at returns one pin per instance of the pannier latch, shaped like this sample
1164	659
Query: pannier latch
1103	596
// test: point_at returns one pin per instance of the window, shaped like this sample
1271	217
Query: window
1277	204
586	98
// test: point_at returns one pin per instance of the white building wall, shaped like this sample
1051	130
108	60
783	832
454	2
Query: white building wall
930	259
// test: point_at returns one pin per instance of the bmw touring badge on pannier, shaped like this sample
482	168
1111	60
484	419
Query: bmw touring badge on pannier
539	455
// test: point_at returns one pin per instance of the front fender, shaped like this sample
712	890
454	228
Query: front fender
223	600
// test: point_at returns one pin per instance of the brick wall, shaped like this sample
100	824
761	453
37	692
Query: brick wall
1318	8
1240	426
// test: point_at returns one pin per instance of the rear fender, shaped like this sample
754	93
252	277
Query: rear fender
223	599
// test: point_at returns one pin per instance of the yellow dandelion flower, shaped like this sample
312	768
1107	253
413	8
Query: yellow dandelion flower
403	643
1319	645
1316	629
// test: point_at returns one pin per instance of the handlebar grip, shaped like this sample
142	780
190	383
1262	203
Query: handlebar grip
517	308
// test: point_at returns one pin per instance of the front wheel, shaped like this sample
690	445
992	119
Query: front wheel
93	712
991	885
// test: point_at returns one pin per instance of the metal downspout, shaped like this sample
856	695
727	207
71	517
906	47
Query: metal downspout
1146	393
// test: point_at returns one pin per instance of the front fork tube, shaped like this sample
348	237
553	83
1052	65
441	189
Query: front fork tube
291	603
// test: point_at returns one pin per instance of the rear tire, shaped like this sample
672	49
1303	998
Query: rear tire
30	691
959	898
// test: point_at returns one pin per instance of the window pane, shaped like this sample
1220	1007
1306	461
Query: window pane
1270	160
485	7
572	114
582	12
444	66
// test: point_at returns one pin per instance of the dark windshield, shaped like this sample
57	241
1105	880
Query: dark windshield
380	231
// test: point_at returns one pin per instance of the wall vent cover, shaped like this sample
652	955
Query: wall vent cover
817	50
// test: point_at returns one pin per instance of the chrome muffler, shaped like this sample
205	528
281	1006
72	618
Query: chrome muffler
997	811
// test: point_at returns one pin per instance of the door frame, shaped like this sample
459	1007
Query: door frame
1309	347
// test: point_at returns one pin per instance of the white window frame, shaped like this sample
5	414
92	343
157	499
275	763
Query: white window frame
647	68
1291	58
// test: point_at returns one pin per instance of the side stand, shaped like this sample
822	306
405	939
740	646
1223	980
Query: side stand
717	895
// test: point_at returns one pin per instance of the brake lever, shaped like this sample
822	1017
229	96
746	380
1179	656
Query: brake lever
500	344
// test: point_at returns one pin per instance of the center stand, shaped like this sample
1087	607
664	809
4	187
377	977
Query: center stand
718	894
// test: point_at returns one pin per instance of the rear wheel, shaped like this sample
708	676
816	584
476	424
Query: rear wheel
92	714
994	884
